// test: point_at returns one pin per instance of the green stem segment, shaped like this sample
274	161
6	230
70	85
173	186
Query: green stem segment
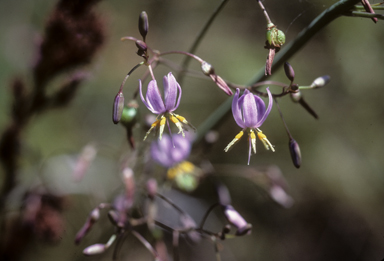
330	14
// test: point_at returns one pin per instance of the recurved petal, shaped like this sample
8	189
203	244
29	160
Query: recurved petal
259	123
154	98
250	110
236	111
149	106
260	105
170	92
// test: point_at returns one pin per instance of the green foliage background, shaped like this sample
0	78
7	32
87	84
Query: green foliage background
338	213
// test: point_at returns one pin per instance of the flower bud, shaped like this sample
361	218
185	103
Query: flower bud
118	107
129	115
95	215
296	96
151	188
141	45
223	194
94	249
289	72
143	24
275	37
207	68
320	81
294	149
234	217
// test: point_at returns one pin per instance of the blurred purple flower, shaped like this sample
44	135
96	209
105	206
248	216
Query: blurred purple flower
249	113
170	151
164	108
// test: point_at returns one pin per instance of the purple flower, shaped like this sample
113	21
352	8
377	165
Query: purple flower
250	113
164	108
168	152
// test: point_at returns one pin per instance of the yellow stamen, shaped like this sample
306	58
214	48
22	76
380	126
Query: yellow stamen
183	120
162	124
253	140
266	142
233	142
177	123
152	126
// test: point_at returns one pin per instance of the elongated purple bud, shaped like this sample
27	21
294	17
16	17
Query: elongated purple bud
294	149
237	221
141	45
289	72
118	107
143	24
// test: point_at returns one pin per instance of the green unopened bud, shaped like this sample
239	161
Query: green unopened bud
129	114
275	37
320	81
118	106
294	149
289	72
143	24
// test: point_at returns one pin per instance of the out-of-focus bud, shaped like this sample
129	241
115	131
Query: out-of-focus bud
278	194
94	249
296	96
235	219
129	182
223	194
151	188
289	72
294	149
86	157
95	215
320	81
209	71
212	136
118	106
143	24
114	218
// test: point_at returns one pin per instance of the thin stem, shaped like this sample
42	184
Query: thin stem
128	74
282	118
330	14
265	12
185	53
151	72
171	203
199	38
364	15
207	214
374	7
145	243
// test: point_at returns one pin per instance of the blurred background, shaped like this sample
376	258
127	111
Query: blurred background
338	211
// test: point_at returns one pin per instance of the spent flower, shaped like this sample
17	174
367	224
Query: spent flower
164	108
250	113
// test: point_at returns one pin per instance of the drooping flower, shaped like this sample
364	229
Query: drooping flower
164	108
249	113
169	152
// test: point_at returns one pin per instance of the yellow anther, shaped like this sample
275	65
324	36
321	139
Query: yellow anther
162	125
253	140
154	125
233	142
267	144
187	166
173	119
181	118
